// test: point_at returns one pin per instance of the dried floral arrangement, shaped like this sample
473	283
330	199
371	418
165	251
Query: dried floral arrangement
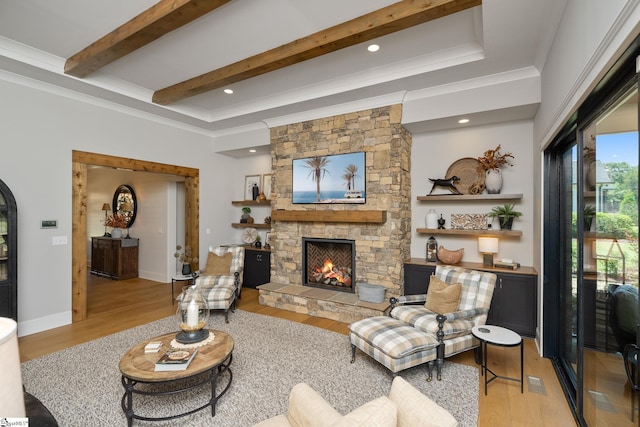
493	159
116	220
184	257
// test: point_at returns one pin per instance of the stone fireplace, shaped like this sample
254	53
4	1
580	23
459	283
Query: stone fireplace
380	228
329	264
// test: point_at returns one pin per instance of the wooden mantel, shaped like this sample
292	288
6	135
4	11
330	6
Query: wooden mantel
352	216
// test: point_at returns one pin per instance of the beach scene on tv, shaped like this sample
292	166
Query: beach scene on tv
338	178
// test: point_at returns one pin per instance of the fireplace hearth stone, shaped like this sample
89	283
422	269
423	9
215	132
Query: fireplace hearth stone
339	306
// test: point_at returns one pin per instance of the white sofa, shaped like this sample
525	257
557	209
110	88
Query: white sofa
405	407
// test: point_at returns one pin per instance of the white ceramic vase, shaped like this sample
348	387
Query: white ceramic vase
116	233
431	219
493	181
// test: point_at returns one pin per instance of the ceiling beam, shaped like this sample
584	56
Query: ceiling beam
160	19
396	17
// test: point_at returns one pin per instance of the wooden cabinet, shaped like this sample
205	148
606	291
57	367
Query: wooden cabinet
514	304
116	258
257	267
515	298
8	254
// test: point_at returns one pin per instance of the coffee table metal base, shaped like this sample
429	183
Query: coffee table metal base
210	377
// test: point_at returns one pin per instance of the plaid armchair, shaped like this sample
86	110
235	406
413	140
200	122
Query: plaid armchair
222	291
412	335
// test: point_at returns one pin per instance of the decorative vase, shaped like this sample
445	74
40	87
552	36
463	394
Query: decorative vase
432	219
192	316
258	244
116	233
186	269
505	224
493	181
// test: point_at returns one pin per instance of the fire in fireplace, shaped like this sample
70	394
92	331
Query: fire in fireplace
329	263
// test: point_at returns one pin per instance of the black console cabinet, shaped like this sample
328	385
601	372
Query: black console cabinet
514	303
257	267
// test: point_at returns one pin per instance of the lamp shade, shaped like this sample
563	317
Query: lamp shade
488	245
105	207
11	393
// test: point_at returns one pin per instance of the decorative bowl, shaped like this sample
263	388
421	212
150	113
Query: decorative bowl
450	257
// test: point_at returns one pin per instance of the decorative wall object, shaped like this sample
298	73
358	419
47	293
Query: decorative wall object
266	184
125	203
469	221
251	186
470	173
339	178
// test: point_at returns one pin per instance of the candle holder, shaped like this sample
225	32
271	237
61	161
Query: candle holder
192	316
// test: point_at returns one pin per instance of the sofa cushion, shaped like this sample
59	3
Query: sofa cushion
416	409
217	264
442	297
380	412
307	408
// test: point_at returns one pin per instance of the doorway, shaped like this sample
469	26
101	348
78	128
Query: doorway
80	162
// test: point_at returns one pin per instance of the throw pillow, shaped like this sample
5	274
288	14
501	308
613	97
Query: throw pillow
442	297
217	265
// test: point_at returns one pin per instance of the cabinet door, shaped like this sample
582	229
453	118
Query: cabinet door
514	304
257	268
416	278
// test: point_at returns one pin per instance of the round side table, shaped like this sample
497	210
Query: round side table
502	337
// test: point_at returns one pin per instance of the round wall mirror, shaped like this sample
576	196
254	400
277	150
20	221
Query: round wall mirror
125	203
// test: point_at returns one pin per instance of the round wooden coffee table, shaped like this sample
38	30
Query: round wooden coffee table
137	367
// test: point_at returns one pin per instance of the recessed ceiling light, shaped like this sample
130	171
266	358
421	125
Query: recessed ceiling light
228	91
252	151
373	48
463	121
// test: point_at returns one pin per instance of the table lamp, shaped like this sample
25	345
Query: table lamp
106	208
488	246
11	392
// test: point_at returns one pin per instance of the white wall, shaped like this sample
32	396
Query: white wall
432	154
39	131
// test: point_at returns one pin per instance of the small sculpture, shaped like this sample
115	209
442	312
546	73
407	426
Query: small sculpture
441	222
448	183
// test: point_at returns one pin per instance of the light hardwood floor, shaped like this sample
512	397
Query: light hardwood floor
117	305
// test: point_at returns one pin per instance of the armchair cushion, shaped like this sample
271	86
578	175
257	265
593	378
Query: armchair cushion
217	264
416	409
426	321
442	297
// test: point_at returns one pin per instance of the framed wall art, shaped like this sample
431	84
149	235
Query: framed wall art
338	178
266	184
251	181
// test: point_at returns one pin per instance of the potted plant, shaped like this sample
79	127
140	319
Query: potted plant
185	258
505	214
588	213
491	162
258	243
246	218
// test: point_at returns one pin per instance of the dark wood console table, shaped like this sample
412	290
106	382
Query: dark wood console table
116	258
515	298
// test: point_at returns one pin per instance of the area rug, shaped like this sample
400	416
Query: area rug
81	385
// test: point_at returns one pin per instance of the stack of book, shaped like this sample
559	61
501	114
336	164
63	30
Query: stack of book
175	359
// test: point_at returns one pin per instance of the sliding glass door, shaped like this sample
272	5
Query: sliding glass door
591	251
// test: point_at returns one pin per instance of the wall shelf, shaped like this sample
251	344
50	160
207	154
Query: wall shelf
469	197
448	231
246	225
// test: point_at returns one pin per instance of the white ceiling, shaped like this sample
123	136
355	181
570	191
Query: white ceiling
37	36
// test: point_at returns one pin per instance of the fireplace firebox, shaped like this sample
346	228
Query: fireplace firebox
329	264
